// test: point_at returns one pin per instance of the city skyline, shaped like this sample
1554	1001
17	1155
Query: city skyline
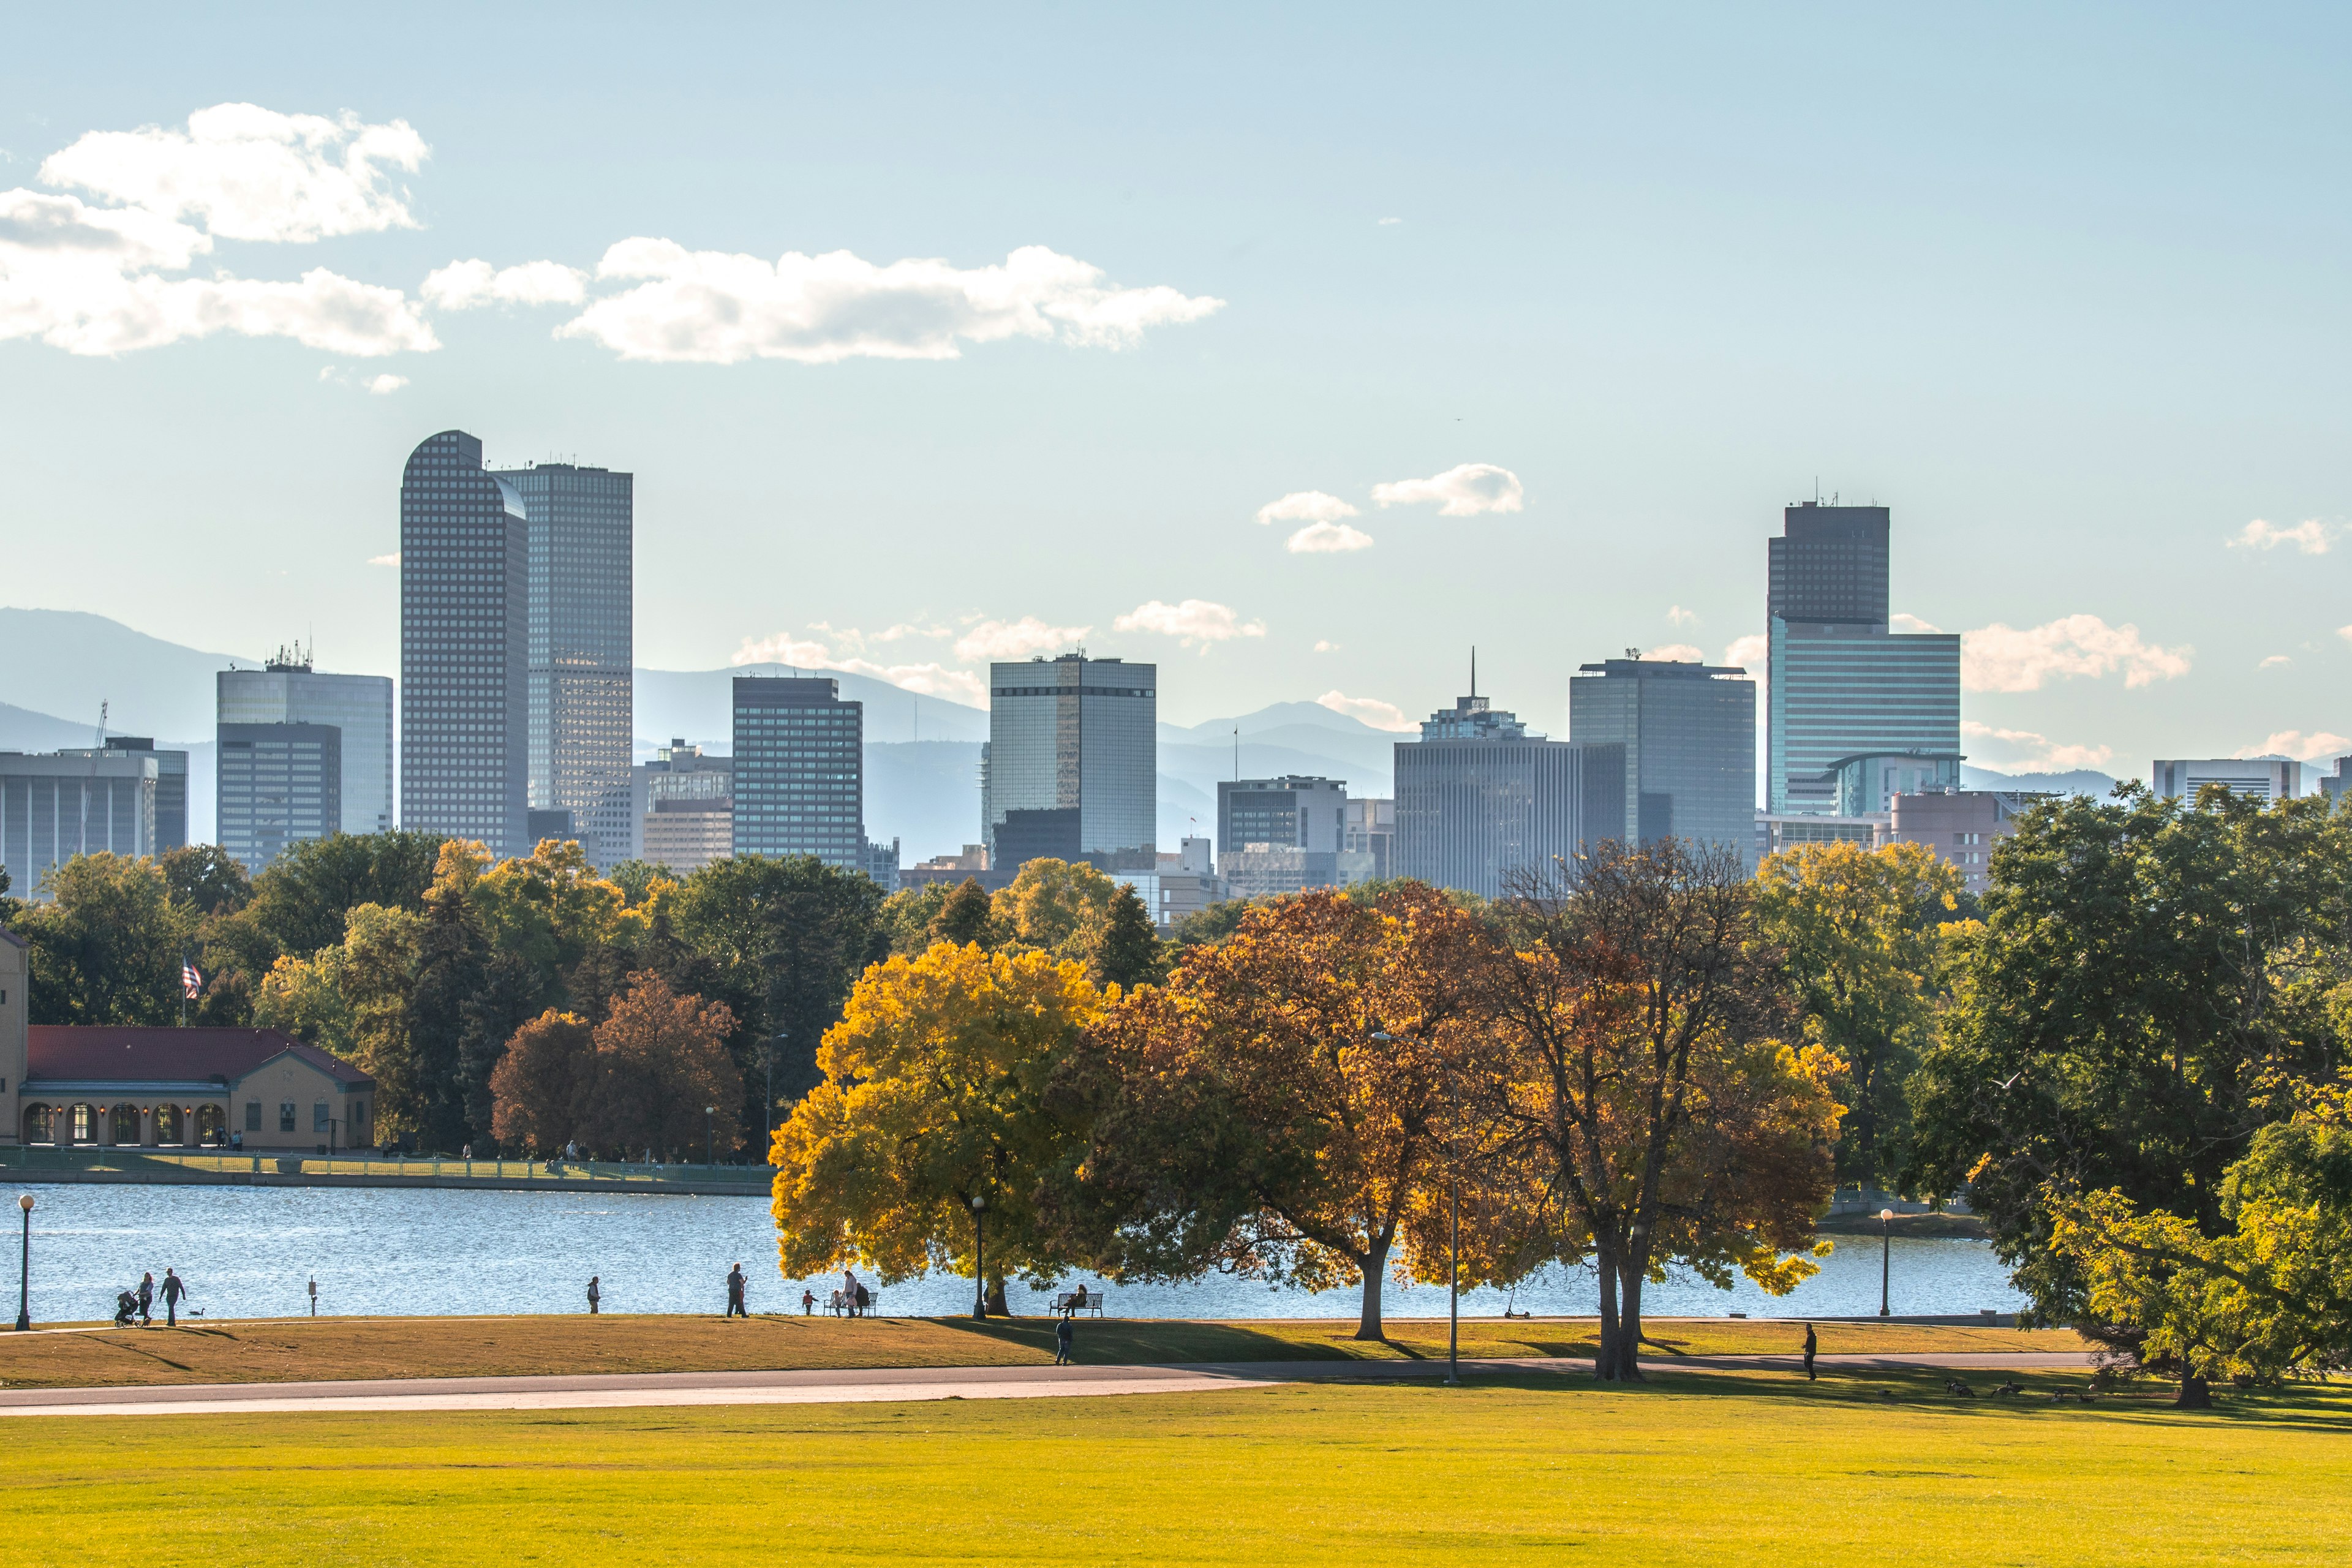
1205	404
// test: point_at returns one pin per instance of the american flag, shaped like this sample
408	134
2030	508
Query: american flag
192	985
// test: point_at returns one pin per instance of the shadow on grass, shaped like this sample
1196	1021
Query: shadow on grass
1127	1341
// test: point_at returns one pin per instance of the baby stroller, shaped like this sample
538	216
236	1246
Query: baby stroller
126	1306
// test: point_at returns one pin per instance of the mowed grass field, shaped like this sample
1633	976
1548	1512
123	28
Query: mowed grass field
1714	1469
327	1348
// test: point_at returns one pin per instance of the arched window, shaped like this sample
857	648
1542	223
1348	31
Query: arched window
36	1123
84	1124
169	1120
212	1123
125	1120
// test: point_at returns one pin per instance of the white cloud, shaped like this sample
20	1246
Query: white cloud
391	560
2320	745
1387	221
1327	539
463	285
1194	621
2275	661
782	648
1305	506
2006	659
925	679
1380	715
1016	639
1678	615
1910	625
1748	652
1675	653
720	308
2027	751
1324	645
89	279
2311	536
248	172
2345	632
1462	492
386	383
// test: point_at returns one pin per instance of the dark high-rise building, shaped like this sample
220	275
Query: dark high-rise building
171	789
1689	734
464	644
1480	801
581	646
1848	699
1081	735
280	784
800	770
287	690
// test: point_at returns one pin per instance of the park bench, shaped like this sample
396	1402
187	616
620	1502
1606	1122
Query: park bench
1074	1301
842	1304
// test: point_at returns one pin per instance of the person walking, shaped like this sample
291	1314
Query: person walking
735	1308
849	1291
146	1301
174	1288
1811	1344
1063	1331
595	1296
808	1303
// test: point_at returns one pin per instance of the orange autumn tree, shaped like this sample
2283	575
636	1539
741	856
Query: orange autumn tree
654	1075
1282	1106
1654	1101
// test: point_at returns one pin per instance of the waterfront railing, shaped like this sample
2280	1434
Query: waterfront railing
166	1162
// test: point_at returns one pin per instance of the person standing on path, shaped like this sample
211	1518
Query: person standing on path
1811	1344
735	1293
595	1296
174	1288
146	1301
808	1303
1063	1333
849	1292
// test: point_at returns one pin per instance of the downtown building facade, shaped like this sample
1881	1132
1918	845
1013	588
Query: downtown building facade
685	806
1071	768
171	789
278	786
287	690
1854	709
1282	836
2262	780
1480	803
1689	736
580	532
56	806
799	771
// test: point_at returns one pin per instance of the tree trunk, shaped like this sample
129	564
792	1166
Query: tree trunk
996	1307
1376	1264
2194	1394
1626	1365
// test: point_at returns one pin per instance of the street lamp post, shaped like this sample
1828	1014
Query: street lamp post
709	1135
25	1270
1454	1290
1885	1255
979	1259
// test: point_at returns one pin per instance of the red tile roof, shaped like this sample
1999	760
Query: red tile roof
136	1053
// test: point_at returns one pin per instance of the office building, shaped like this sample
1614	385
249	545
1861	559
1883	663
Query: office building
171	789
1073	743
684	803
85	802
880	863
1480	803
1867	786
1282	835
800	770
2258	779
1689	734
1368	827
280	784
1779	830
1841	686
1961	825
464	594
2332	785
287	690
580	523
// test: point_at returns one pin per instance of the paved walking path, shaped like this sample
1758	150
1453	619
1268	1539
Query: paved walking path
861	1385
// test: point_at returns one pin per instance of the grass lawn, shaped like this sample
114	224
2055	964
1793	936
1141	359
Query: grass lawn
306	1349
1691	1469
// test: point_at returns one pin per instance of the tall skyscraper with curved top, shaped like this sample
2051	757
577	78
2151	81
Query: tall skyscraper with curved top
465	640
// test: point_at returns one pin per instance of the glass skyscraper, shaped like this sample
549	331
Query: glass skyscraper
280	784
1689	734
464	645
1842	687
800	770
1076	736
1480	801
287	690
582	558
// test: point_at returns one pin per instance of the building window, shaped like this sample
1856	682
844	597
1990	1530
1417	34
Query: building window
319	1120
285	1116
253	1116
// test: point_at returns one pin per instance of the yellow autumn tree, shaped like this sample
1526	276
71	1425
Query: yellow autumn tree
933	1096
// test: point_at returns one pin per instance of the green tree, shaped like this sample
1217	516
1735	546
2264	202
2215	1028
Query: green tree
453	959
106	948
934	1095
789	937
351	999
1054	906
300	899
905	917
1206	928
2151	988
965	916
1126	955
1858	934
206	878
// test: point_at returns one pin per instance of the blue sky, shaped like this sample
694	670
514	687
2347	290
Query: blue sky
2061	286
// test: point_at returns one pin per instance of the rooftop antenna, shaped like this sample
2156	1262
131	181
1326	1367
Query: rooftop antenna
1473	669
1237	754
101	724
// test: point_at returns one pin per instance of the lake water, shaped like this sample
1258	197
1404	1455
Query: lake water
251	1251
